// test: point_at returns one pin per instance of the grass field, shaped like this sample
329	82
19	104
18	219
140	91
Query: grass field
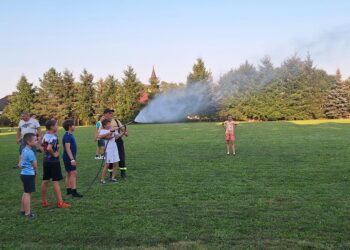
287	187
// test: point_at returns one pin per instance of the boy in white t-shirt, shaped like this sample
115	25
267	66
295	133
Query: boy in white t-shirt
111	149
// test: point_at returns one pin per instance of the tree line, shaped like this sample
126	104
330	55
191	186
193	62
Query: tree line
294	90
61	96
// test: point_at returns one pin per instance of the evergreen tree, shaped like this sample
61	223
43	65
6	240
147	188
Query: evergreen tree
337	104
21	100
109	92
99	106
295	90
266	72
106	94
50	97
245	78
199	73
86	93
128	94
69	96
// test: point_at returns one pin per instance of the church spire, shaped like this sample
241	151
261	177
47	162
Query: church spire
153	75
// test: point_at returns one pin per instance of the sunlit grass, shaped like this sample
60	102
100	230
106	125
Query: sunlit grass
287	187
316	122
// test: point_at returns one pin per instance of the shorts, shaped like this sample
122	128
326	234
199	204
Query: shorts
28	183
100	143
230	137
52	170
22	145
68	166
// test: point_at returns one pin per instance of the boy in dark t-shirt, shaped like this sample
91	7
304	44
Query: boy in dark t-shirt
69	158
51	165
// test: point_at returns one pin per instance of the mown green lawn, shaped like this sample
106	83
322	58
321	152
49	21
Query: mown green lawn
287	187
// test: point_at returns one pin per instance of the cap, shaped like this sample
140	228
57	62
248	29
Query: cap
108	110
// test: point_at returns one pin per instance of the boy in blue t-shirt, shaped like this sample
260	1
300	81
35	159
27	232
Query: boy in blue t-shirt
28	173
69	158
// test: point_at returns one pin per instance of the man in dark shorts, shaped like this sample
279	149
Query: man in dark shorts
51	165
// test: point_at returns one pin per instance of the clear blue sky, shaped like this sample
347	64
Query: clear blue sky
106	36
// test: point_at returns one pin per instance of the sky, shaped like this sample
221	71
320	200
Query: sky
104	36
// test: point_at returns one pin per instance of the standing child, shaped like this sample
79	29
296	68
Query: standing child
28	173
69	158
230	126
51	165
111	152
100	142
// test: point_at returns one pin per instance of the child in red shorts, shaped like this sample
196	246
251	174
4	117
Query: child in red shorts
230	126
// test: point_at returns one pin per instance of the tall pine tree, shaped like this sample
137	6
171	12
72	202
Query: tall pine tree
69	96
85	98
50	97
99	106
109	92
199	73
21	100
337	104
128	94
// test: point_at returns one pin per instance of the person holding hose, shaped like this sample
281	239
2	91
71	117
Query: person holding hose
117	125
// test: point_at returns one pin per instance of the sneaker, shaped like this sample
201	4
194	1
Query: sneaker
228	153
97	157
234	153
77	195
45	203
63	205
114	180
103	181
30	215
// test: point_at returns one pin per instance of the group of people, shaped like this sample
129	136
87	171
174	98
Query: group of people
110	149
109	135
110	145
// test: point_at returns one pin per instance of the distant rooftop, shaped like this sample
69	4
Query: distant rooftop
3	102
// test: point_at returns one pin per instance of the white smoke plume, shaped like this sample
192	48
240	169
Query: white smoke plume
175	105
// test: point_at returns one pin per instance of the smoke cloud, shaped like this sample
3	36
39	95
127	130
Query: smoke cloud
331	48
175	105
